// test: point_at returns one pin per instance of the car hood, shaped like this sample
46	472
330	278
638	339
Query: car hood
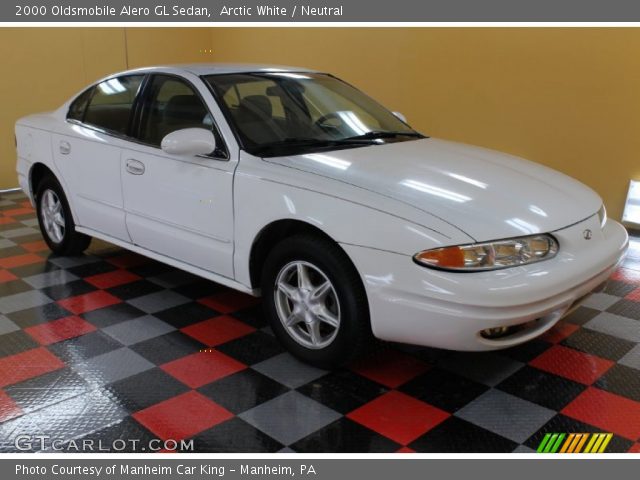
487	194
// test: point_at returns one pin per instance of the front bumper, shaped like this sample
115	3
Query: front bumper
417	305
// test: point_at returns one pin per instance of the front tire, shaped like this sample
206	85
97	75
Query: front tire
315	301
55	220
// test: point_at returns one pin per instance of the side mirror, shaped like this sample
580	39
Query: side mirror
189	141
400	117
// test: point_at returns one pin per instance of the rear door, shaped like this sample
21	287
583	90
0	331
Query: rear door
179	206
88	153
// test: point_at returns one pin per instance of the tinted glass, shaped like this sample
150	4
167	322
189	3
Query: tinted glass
111	104
280	109
173	105
77	108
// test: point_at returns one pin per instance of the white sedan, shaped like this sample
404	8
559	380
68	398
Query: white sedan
292	184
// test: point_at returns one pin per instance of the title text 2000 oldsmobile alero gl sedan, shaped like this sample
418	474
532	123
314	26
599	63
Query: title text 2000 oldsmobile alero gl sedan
292	184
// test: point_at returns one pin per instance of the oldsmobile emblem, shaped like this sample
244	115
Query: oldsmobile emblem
587	234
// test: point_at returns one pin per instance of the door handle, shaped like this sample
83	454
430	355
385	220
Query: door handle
65	147
135	167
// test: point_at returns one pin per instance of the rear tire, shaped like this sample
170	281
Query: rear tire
315	301
55	219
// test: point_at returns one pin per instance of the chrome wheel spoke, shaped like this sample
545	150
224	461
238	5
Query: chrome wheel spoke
292	320
303	277
290	292
314	333
58	220
320	292
325	316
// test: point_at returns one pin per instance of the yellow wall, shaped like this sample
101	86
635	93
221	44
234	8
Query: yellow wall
43	67
568	98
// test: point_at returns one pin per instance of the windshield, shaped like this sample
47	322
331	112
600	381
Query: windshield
286	113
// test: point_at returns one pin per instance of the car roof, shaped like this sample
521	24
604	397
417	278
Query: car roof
218	68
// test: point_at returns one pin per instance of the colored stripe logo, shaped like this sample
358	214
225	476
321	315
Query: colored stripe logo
574	443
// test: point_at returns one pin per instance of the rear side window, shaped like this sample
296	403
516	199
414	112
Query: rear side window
77	108
111	104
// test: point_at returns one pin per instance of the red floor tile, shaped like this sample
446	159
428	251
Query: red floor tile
201	368
18	211
8	408
112	279
391	368
607	411
58	330
634	295
572	364
7	220
635	448
37	246
88	302
559	332
627	275
25	365
229	301
406	450
128	260
398	416
20	260
6	276
218	330
182	416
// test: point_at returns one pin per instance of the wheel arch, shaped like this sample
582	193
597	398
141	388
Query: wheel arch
274	232
39	171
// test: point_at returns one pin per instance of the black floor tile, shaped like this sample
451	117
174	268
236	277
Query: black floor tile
186	314
107	316
234	436
145	389
621	380
168	347
600	344
38	315
581	315
345	436
79	349
66	290
243	390
455	435
342	390
16	342
443	389
626	308
253	348
540	387
135	289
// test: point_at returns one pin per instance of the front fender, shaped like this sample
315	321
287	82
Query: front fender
265	193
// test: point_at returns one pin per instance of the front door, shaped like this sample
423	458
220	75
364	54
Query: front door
179	206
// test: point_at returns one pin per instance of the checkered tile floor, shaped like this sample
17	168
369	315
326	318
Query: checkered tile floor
112	345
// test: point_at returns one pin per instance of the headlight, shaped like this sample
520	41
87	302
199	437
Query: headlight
490	255
602	216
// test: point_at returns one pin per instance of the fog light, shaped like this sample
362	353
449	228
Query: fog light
496	332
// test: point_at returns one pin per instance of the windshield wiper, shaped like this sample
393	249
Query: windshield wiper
376	134
312	142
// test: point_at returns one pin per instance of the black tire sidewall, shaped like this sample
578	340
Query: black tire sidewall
354	327
50	183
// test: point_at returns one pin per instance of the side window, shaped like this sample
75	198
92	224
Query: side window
77	108
111	104
172	105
